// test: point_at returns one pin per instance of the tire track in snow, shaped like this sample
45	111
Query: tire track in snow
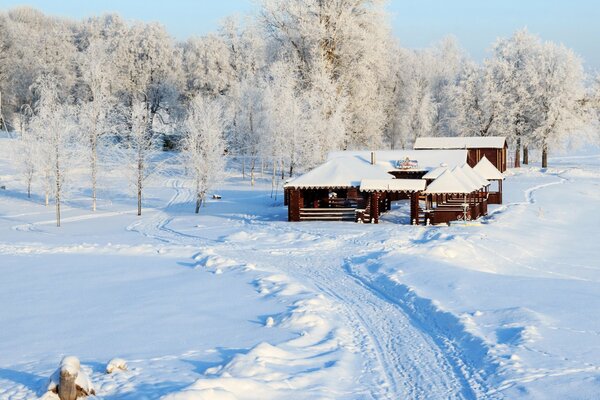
402	360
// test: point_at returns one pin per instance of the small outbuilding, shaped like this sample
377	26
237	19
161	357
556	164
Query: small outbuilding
494	148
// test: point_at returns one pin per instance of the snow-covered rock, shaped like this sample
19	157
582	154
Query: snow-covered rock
116	364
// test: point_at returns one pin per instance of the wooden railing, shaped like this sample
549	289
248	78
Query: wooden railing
328	214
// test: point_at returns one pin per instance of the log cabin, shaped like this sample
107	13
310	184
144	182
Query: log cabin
359	186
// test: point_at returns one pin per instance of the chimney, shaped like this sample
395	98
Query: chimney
373	158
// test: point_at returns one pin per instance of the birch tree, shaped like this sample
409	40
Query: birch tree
515	79
140	148
94	110
203	145
558	97
28	155
54	125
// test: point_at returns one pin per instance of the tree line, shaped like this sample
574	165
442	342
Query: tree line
290	83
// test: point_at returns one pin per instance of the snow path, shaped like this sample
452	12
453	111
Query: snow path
401	359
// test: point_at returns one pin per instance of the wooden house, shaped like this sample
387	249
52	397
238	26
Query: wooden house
360	185
494	148
440	185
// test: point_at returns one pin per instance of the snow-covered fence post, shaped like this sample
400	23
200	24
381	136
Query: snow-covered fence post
67	390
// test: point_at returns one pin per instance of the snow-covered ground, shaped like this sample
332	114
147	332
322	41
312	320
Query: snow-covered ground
239	303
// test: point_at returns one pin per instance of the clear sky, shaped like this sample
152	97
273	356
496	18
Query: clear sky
417	23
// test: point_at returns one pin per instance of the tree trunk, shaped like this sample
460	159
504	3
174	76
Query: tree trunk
57	197
198	196
67	390
518	153
544	154
282	170
47	191
94	169
29	188
525	155
139	185
252	167
244	167
273	178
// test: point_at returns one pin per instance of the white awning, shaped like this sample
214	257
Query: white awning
392	185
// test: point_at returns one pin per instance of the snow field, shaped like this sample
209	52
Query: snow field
238	303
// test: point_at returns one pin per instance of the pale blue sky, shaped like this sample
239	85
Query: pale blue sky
417	23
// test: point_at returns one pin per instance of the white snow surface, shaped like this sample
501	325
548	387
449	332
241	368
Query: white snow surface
341	172
460	142
427	159
449	182
237	303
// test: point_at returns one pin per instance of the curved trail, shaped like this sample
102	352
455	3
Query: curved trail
400	359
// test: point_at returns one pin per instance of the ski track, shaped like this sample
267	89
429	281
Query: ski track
401	360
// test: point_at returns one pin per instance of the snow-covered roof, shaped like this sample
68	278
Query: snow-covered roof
486	169
426	159
341	172
466	180
392	185
448	183
435	173
474	175
466	142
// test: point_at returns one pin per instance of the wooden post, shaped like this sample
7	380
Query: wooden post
67	390
414	208
375	207
295	203
500	191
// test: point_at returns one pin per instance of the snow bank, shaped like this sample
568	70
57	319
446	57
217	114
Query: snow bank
307	366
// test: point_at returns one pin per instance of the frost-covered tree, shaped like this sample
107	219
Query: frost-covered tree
324	110
206	66
28	155
250	123
558	97
54	126
203	145
516	80
349	40
282	139
473	104
139	149
94	110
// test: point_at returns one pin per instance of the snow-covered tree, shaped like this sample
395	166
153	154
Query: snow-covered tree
473	105
282	139
324	110
516	80
139	149
203	145
28	156
558	96
94	109
349	40
54	126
